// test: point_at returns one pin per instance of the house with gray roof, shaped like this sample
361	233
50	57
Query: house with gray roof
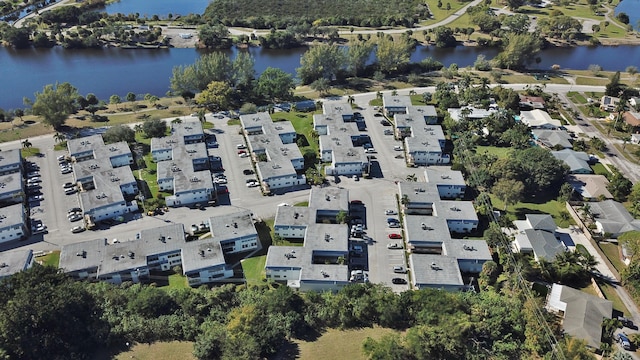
436	272
105	180
590	187
577	161
12	188
13	223
424	142
336	129
12	262
183	165
539	119
161	249
472	113
553	138
537	235
321	263
11	162
612	218
582	313
395	104
274	151
450	183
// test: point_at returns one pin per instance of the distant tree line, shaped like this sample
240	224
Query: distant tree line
45	314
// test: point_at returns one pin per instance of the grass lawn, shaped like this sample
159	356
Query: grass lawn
519	210
51	259
302	203
338	344
610	293
26	130
577	97
28	152
589	290
253	269
303	123
599	169
580	80
442	12
500	152
177	281
174	350
613	254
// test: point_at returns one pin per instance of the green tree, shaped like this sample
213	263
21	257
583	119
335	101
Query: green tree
216	97
215	66
243	71
518	23
392	54
115	100
357	57
214	36
614	87
154	128
54	104
519	48
509	191
619	186
321	85
275	85
321	61
131	97
119	133
444	37
342	217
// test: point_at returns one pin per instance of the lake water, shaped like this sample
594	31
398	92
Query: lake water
115	71
631	8
161	8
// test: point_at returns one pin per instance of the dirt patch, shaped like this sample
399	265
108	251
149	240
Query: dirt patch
181	37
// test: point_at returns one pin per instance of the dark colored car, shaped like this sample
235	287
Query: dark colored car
398	281
247	171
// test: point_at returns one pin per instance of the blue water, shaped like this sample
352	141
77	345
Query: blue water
631	8
162	8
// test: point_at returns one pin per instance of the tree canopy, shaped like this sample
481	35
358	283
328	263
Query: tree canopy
274	84
55	103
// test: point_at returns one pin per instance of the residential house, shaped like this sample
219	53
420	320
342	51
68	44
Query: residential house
450	183
12	262
577	161
609	103
553	138
632	118
582	313
539	119
537	235
470	112
612	218
532	102
13	223
590	187
321	264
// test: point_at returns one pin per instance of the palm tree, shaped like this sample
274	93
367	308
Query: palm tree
137	128
412	92
201	115
59	137
412	178
586	211
379	95
26	143
176	121
394	93
351	99
588	262
405	200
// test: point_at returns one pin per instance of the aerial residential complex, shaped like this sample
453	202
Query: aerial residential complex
104	178
13	217
163	248
183	165
275	152
416	125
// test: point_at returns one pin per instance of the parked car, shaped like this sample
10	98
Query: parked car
220	180
244	155
626	322
66	170
397	148
371	151
74	211
77	229
388	132
75	217
36	198
247	172
356	202
241	146
385	122
624	341
393	225
61	158
399	270
253	183
33	174
395	236
70	191
390	212
34	180
68	185
399	281
394	246
355	178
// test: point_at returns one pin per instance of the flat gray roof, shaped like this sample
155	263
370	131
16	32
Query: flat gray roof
82	255
187	128
426	229
337	109
420	144
327	237
232	226
286	215
329	198
443	175
295	257
435	270
115	149
467	249
422	111
11	183
84	144
10	157
12	262
201	254
250	121
419	192
166	142
104	194
102	173
455	210
12	215
389	100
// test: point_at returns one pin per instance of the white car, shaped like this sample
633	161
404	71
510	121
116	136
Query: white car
77	229
394	246
75	217
220	180
60	158
390	212
244	155
283	204
36	198
34	180
241	146
397	148
66	170
252	184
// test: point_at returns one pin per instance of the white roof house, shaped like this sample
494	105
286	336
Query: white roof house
539	119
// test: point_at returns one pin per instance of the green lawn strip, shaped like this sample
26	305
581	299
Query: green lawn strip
581	249
599	169
253	269
580	80
303	123
177	281
500	152
283	242
589	289
519	210
577	97
302	203
338	344
175	350
610	293
442	13
612	253
30	151
51	259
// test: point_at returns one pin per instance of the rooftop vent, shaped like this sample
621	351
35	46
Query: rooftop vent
113	148
201	252
468	248
296	215
162	239
434	266
455	208
445	176
131	254
82	254
3	265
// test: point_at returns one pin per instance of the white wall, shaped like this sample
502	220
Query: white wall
283	182
462	226
162	155
107	212
12	232
347	168
282	274
285	231
121	160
